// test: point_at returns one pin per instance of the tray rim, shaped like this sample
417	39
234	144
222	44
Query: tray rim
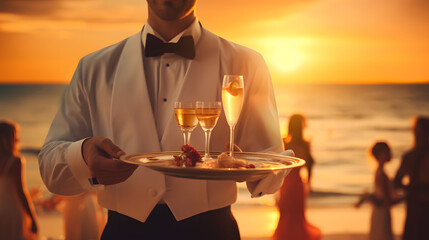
229	174
299	162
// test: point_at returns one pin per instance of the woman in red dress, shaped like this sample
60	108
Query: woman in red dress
291	203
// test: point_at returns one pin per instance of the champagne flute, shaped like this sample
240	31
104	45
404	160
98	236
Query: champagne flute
186	118
232	99
208	113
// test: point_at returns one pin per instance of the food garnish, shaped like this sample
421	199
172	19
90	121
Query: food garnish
233	88
188	157
226	161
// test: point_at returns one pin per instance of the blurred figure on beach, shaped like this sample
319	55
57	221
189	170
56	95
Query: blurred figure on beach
295	140
413	177
83	216
18	218
291	201
384	195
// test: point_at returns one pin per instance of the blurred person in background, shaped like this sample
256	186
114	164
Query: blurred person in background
295	140
83	216
384	195
293	194
415	168
18	218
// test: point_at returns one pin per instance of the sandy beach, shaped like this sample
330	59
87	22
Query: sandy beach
336	223
258	222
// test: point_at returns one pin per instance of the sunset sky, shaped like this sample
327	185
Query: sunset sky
322	41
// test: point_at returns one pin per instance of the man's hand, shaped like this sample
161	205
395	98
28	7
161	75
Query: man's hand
101	155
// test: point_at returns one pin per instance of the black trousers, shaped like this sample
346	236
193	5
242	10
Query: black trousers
218	224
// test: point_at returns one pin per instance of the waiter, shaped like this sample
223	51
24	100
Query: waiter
120	100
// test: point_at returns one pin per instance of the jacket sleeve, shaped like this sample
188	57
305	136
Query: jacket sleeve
258	127
61	164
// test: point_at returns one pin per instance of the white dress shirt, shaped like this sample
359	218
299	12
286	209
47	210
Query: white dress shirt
165	74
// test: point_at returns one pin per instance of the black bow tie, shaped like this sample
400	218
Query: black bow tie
156	47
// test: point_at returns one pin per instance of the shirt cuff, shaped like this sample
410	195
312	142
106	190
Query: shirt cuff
78	167
271	183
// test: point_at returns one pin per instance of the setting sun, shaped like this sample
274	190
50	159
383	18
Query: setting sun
285	60
283	54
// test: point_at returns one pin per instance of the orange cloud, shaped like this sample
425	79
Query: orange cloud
29	7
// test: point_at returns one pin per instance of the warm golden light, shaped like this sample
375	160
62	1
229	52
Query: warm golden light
302	41
283	54
285	60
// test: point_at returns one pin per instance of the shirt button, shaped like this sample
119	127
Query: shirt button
152	192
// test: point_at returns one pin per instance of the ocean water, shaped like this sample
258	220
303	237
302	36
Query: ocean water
33	107
343	121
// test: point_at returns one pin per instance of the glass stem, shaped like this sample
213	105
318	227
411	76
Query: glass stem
207	144
186	137
231	141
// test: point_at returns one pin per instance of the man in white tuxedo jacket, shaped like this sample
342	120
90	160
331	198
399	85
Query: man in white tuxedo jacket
120	101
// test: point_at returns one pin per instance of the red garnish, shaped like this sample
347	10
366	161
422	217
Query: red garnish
188	157
251	166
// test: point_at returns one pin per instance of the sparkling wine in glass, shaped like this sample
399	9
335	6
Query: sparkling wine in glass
232	100
208	113
186	118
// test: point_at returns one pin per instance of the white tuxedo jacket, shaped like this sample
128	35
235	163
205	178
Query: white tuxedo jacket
108	97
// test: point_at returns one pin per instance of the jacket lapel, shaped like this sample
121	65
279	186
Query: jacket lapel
129	88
